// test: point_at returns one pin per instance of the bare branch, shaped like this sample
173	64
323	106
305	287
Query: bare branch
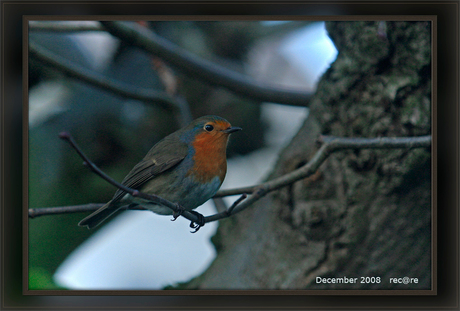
205	70
36	212
219	204
89	26
337	143
329	145
332	144
73	70
240	199
176	208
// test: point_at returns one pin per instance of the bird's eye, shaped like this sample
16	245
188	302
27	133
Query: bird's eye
208	127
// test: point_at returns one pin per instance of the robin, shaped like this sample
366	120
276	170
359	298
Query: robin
186	167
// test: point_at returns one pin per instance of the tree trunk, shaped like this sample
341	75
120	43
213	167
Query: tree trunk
365	213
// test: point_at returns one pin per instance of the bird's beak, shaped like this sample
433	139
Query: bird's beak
232	129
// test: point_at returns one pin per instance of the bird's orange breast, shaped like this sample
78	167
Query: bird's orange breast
210	157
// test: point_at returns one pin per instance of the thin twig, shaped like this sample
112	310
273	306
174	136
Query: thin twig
240	199
83	208
205	70
235	191
36	212
332	144
337	143
219	204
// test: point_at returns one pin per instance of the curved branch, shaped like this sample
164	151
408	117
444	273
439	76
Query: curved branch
203	69
73	70
329	146
332	144
88	26
176	208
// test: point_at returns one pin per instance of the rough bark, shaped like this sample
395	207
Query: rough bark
366	213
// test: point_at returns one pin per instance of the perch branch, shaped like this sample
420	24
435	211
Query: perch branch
135	193
332	144
329	145
91	207
70	209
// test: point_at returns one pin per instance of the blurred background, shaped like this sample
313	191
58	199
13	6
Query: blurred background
139	249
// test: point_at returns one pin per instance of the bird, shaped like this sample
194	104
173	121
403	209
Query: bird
186	167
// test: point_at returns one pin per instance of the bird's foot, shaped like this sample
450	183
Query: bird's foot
197	225
194	224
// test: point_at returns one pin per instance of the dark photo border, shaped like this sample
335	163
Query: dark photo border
444	291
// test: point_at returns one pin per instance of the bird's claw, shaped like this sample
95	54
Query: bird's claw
199	224
194	225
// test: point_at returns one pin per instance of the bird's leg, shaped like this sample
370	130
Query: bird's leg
199	224
180	211
194	225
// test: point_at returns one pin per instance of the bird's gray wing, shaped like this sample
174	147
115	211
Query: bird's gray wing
162	157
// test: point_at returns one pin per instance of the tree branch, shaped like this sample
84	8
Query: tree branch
73	70
70	209
88	26
332	144
329	146
205	70
135	193
337	143
46	211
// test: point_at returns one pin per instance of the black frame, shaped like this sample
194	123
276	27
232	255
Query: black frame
13	135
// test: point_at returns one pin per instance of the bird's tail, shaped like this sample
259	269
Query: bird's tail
99	216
